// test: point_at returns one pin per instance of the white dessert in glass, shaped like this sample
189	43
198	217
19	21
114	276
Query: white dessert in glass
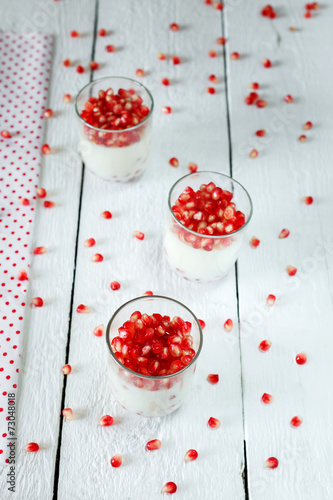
208	214
115	119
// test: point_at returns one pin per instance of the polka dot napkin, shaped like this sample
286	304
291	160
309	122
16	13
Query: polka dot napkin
25	62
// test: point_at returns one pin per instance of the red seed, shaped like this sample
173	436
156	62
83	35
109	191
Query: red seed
97	257
193	167
307	14
254	242
82	309
214	423
140	73
102	32
94	65
213	378
98	330
234	56
67	413
161	56
106	215
210	90
149	292
301	358
89	243
169	487
265	345
296	421
48	113
67	98
5	134
249	100
31	447
106	421
221	40
155	444
266	63
139	235
261	133
174	162
228	325
165	81
37	302
191	455
302	138
49	204
307	125
212	53
46	150
166	110
24	201
66	63
174	27
202	323
291	270
261	103
39	250
22	275
66	369
284	233
80	69
271	300
288	98
308	200
218	5
75	34
254	153
271	463
115	285
254	86
116	461
267	399
176	60
110	48
213	78
41	192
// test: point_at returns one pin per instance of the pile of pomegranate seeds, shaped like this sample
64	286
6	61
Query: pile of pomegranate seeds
207	211
154	345
253	98
268	11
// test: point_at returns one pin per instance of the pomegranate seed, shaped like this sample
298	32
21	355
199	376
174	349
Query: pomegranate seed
5	134
213	78
102	32
39	250
271	300
228	325
115	285
161	56
46	150
166	110
48	113
254	153
67	413
24	201
261	103
139	235
97	258
284	233
234	56
174	162
221	40
214	423
80	69
66	63
98	330
212	53
169	487
149	292
307	125
140	73
106	215
90	242
176	60
66	369
41	192
165	81
116	461
191	455
288	98
265	345
210	90
106	421
193	167
75	34
67	98
267	399
266	63
49	204
31	447
254	86
249	100
94	65
271	463
213	378
22	275
254	242
82	309
202	323
218	5
296	421
261	133
37	302
174	27
308	200
155	444
307	14
291	270
110	48
301	358
302	138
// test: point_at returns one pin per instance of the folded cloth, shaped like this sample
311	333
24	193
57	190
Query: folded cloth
25	62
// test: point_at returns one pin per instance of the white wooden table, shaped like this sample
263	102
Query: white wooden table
216	132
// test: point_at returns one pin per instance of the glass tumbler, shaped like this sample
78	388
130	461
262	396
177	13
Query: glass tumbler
201	257
145	395
115	155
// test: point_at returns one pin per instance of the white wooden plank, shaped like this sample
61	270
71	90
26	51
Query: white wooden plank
285	171
43	349
195	132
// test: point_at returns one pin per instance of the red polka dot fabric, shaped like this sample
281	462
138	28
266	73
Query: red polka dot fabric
25	62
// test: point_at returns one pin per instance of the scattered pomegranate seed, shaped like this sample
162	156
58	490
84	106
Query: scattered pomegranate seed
5	134
24	201
39	250
102	32
41	192
174	27
307	125
254	153
154	444
214	423
266	63
80	69
49	204
301	358
67	413
268	11
261	103
31	447
218	5
176	60
22	275
82	309
212	53
161	56
213	78
166	110
261	133
202	323
106	421
97	257
209	2
89	243
169	487
284	233
307	14
66	62
271	463
67	98
249	100
46	150
148	292
228	325
75	34
94	65
213	378
48	113
115	285
174	162
140	73
139	235
267	399
110	48
308	200
234	56
265	345
66	369
254	242
191	455
291	270
116	461
302	138
271	300
296	421
288	98
165	81
37	302
106	215
98	330
254	86
210	90
221	40
193	167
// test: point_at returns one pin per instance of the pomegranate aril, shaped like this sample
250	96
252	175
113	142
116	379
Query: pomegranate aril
176	60
266	63
213	78
254	86
271	300
210	90
261	103
301	358
288	99
106	215
166	110
214	423
191	455
265	345
39	250
67	413
296	421
140	73
174	162
212	53
169	487
254	153
46	150
213	378
116	461
82	309
261	133
80	69
267	399
24	201
165	81
148	292
174	27
307	14
307	125
161	56
31	447
37	302
193	167
271	463
139	235
41	192
102	32
154	444
97	258
66	63
291	270
5	134
98	330
254	242
234	56
75	34
89	243
302	138
228	325
48	113
66	369
94	65
218	5
284	233
110	48
22	275
221	40
106	421
308	200
67	98
202	323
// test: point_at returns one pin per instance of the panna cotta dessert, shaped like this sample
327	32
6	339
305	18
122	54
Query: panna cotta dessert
153	354
207	219
115	120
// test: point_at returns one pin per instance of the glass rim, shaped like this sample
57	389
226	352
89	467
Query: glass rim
113	131
208	236
140	375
